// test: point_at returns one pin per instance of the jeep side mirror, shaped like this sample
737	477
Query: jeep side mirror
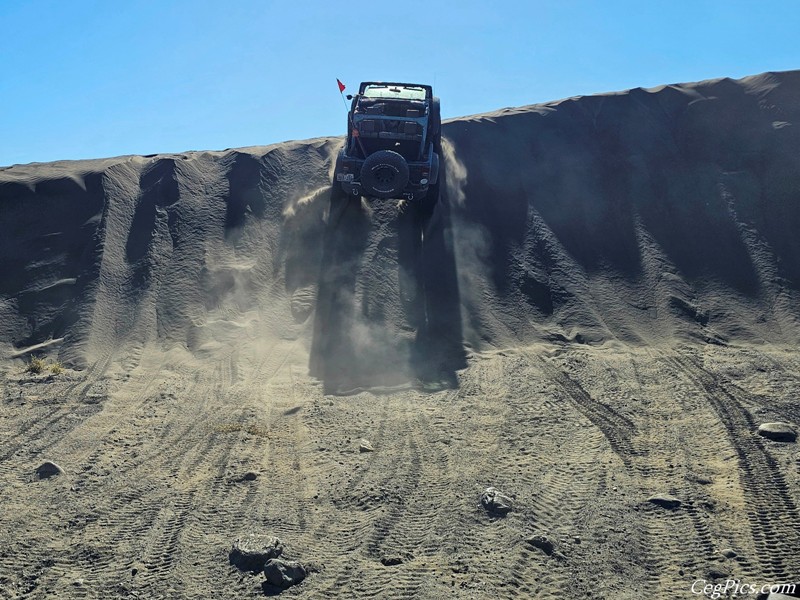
349	96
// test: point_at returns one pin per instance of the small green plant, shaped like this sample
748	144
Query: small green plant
35	366
56	368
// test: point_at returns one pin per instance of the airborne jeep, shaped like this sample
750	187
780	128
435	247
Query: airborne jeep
393	142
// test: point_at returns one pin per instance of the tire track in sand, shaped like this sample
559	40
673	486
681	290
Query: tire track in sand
618	429
226	506
141	516
396	506
771	511
25	521
664	461
562	466
40	432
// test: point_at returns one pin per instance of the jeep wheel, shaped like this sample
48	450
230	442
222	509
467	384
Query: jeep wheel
434	176
384	174
338	204
426	205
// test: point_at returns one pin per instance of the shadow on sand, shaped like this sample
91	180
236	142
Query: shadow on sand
388	308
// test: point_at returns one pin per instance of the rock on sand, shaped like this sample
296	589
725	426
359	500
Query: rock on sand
47	470
495	501
251	553
665	501
284	573
543	543
779	432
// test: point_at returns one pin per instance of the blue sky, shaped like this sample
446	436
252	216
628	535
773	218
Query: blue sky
96	78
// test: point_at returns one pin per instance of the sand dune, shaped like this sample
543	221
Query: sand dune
603	308
638	216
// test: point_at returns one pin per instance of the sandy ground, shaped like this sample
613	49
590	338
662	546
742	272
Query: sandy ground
603	308
579	438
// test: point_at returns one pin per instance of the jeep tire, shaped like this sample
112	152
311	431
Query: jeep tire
435	122
434	175
384	174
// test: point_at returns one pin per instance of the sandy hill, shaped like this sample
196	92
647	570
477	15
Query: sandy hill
644	216
597	267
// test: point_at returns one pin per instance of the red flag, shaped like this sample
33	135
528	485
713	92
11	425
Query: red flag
341	85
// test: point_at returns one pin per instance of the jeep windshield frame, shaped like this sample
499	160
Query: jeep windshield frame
401	91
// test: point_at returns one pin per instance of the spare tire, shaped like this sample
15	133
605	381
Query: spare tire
384	174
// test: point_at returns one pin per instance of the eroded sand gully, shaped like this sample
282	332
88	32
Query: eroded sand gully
600	311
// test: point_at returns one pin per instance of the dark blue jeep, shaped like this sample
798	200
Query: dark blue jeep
393	142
